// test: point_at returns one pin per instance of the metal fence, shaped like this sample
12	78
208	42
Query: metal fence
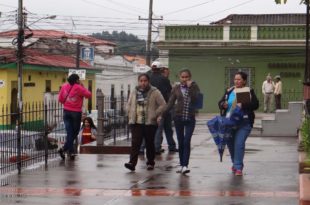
112	118
37	142
43	131
287	96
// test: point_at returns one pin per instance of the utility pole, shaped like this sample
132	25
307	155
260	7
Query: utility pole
149	33
19	58
77	54
307	69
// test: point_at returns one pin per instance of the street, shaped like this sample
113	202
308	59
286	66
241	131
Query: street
270	177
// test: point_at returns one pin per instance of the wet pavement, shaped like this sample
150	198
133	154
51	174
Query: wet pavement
270	177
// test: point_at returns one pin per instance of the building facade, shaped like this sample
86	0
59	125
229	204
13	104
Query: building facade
257	44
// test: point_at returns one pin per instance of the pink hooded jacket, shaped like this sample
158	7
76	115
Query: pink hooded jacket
74	101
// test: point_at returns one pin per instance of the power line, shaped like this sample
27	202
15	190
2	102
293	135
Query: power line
221	11
126	6
187	8
99	5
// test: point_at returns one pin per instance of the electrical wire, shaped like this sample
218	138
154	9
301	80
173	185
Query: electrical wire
126	6
187	8
221	11
112	9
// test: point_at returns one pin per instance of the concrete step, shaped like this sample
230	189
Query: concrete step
286	122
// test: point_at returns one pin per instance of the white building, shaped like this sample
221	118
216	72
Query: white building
117	73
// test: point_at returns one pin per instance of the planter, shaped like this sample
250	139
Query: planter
304	176
304	163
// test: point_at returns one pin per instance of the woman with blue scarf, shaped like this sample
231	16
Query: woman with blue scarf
227	105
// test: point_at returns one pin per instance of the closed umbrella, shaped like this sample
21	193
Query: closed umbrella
221	128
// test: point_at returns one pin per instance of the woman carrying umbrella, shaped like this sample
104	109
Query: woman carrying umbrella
228	103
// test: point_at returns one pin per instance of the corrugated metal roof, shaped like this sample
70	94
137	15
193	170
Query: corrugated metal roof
258	19
54	34
34	57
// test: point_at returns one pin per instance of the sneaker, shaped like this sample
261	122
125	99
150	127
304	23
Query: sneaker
179	170
233	170
174	150
185	170
61	153
130	166
150	167
238	173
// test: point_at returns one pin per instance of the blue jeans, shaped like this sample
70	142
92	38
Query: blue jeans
236	144
166	126
184	131
72	122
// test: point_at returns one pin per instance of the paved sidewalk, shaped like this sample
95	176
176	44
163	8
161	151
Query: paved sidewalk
271	177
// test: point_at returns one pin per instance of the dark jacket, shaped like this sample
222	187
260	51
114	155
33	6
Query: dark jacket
161	83
248	108
177	96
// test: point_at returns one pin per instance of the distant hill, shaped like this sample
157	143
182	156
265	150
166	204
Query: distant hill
126	43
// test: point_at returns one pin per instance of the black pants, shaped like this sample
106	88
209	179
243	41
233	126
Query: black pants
278	101
138	133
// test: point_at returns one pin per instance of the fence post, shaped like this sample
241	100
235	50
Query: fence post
113	100
19	139
122	103
128	94
100	120
45	138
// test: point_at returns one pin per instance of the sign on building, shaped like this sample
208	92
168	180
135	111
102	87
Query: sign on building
139	68
88	54
80	73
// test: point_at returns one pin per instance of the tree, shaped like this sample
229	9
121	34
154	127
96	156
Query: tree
284	1
280	1
126	43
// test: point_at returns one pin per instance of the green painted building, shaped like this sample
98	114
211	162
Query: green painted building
256	44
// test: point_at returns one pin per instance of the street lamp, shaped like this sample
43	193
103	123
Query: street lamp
47	17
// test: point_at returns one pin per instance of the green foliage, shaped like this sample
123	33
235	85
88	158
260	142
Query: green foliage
305	131
280	1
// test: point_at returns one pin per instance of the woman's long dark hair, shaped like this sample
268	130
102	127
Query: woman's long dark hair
91	122
73	78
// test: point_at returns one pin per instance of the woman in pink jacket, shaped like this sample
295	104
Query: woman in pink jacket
71	96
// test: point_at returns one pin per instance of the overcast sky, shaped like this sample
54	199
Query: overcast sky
88	16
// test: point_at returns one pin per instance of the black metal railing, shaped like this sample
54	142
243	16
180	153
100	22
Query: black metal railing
113	118
43	131
286	97
37	143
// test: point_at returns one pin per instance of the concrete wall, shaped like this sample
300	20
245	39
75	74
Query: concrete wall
36	93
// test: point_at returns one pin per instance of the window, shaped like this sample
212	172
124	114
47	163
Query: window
48	85
230	72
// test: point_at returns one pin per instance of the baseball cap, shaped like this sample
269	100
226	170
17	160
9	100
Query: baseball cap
156	65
